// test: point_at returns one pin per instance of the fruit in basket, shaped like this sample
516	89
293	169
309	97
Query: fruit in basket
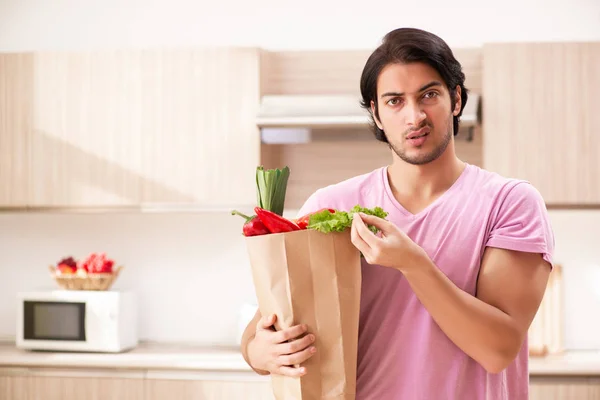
94	272
67	265
97	263
65	269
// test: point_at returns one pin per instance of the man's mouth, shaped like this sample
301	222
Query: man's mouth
418	134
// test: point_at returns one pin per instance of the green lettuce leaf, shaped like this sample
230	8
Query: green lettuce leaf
377	211
327	222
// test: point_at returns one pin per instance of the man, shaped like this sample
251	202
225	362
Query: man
452	284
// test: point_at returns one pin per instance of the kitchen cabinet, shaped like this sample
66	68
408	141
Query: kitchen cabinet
564	388
200	142
540	121
14	384
122	383
129	128
166	389
85	149
16	126
83	383
118	383
62	388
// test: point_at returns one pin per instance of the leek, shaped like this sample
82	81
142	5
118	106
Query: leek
271	186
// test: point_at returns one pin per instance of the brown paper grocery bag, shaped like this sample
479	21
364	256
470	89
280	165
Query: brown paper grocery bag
312	278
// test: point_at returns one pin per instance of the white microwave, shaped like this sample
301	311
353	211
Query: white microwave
77	320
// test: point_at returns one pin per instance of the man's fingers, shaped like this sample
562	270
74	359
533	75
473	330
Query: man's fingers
297	358
380	223
267	321
290	333
296	345
291	371
364	232
357	239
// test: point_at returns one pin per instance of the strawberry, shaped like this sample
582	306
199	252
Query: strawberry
85	263
98	263
108	266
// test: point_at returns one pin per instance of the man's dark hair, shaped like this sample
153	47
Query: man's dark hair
408	45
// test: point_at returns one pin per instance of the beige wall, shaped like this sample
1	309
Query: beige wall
191	272
41	24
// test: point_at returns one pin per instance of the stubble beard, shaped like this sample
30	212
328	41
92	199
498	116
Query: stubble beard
428	157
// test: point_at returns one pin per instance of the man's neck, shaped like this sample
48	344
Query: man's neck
420	185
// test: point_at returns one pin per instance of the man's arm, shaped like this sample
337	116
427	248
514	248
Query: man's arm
491	326
247	337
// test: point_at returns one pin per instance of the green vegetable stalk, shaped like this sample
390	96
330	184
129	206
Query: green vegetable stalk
271	188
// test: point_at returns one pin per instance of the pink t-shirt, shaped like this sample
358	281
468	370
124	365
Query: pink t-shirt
402	353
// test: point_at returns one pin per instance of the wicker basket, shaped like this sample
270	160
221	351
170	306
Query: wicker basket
98	281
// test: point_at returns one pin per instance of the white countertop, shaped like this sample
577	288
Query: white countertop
145	356
581	363
152	356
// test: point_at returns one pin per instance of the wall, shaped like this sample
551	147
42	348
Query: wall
577	235
190	270
191	273
40	24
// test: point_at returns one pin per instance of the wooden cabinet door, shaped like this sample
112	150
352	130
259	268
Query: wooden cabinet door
594	387
206	390
138	127
564	388
16	127
86	384
200	142
207	385
540	117
87	131
14	384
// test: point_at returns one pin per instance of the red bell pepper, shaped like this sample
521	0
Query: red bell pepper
253	226
274	222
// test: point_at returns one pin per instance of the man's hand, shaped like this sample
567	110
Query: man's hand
280	352
393	248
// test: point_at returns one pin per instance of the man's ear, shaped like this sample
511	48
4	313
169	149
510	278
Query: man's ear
457	100
377	122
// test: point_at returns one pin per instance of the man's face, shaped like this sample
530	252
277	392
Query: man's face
415	111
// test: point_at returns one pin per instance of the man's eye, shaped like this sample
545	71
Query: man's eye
393	102
430	95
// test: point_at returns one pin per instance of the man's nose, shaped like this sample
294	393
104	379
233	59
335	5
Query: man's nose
414	114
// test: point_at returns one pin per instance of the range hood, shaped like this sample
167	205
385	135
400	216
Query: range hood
311	111
291	118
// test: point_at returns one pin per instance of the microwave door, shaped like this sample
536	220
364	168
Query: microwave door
49	320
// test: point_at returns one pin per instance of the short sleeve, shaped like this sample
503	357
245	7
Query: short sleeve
522	223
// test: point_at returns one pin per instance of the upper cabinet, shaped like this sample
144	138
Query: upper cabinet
85	147
200	143
16	126
129	128
540	115
179	126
